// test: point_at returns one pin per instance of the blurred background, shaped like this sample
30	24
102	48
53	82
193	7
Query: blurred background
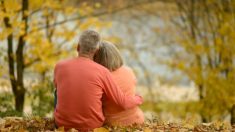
182	52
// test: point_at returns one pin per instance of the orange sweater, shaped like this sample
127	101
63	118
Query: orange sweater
81	84
116	115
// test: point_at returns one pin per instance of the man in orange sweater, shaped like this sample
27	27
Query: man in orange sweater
81	83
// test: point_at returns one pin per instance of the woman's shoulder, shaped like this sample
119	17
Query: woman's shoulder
124	71
126	79
127	68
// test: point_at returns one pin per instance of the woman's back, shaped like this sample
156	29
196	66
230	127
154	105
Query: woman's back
116	115
109	56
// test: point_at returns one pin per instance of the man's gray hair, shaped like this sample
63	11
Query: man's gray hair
89	41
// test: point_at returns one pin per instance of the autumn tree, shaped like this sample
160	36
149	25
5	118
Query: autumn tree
35	34
205	36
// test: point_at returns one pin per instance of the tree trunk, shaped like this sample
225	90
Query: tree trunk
233	114
11	60
204	119
19	100
201	97
20	91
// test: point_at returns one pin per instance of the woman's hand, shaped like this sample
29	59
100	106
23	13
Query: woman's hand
139	99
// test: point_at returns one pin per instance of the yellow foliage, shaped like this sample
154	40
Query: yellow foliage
70	10
4	33
97	5
94	23
85	9
147	130
209	58
46	49
53	4
114	40
101	129
36	4
12	5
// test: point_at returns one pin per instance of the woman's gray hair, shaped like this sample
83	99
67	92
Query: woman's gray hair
108	56
89	41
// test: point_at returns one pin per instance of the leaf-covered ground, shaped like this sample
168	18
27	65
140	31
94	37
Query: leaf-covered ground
34	124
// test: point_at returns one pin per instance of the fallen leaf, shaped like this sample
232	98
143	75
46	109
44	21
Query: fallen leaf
101	129
147	130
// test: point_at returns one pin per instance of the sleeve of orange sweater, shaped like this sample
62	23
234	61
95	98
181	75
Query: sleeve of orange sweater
114	93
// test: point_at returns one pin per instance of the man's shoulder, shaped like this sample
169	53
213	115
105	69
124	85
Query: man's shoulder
63	62
90	64
100	67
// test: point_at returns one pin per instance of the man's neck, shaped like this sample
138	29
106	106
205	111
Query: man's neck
86	56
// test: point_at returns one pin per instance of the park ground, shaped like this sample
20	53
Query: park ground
32	124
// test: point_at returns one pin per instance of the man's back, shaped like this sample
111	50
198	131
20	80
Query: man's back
79	84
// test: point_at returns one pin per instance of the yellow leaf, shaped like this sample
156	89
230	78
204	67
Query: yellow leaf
73	130
60	129
35	4
22	130
12	5
101	129
147	130
97	5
